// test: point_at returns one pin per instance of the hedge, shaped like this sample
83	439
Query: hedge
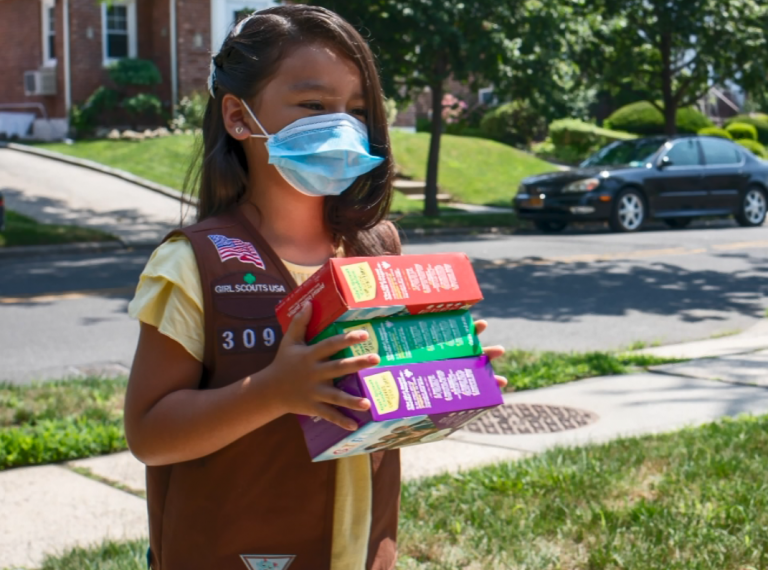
741	131
716	132
757	148
576	139
514	123
642	118
757	120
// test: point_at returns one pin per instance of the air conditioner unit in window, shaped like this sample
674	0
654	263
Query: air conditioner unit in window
40	82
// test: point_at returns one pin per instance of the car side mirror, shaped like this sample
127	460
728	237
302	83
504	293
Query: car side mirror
665	162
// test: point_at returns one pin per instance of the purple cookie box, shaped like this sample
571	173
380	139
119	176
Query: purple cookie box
449	393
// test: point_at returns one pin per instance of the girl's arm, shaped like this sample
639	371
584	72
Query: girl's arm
169	420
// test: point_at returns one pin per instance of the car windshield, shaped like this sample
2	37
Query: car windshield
619	153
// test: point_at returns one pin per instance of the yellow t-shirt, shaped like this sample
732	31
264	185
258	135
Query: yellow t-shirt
170	297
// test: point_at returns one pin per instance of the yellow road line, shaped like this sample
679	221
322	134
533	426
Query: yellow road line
66	295
637	254
741	245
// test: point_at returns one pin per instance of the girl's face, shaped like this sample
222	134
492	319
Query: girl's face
312	80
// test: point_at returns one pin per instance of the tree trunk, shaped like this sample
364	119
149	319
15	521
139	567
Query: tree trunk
670	104
430	192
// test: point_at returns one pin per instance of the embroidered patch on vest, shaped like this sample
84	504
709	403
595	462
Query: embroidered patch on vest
229	248
254	562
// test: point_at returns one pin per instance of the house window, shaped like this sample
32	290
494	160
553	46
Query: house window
225	14
49	32
119	30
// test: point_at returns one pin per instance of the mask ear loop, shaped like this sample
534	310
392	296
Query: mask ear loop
263	130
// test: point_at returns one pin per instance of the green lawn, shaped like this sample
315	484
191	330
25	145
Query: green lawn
59	421
22	230
163	160
689	500
473	170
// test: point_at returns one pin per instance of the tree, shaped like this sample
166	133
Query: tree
421	43
675	50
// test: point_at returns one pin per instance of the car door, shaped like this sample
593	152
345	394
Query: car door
724	174
677	186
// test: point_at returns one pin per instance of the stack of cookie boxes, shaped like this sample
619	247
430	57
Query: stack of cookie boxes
433	378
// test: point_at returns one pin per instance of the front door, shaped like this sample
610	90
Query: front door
724	175
678	186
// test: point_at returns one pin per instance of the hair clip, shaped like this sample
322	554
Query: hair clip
239	26
212	79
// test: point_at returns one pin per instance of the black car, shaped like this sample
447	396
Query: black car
671	179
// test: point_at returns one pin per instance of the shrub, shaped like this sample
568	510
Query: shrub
642	118
85	118
131	71
514	123
741	131
716	132
756	148
190	112
757	120
576	139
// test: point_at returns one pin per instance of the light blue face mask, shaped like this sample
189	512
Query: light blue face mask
321	155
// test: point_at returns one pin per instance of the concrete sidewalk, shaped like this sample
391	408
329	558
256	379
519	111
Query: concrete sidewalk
55	192
49	509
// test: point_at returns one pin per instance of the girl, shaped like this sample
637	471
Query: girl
296	169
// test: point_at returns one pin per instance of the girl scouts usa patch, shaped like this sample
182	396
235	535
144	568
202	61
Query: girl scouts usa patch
254	562
233	248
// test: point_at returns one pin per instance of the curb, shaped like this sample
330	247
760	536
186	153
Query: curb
71	249
172	193
116	172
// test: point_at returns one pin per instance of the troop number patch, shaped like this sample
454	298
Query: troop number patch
247	339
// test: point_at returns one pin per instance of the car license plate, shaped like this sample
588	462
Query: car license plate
533	203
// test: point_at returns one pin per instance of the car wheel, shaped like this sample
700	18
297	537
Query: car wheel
753	208
678	223
550	227
628	213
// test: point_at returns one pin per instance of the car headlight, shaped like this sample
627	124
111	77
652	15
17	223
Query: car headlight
586	185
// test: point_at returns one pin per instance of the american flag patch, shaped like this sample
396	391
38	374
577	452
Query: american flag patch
230	248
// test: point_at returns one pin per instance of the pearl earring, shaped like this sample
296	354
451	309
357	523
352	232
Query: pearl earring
239	130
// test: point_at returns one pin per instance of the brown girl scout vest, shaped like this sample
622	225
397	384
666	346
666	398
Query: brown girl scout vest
259	503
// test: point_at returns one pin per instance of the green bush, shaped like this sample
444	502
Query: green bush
757	120
740	131
85	118
514	123
642	118
716	132
131	71
574	140
756	148
190	112
50	441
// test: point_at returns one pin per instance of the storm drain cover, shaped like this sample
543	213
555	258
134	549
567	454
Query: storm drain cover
531	418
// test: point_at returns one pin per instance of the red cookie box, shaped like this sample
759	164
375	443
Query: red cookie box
365	288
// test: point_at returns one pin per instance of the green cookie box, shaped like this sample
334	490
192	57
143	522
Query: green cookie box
411	338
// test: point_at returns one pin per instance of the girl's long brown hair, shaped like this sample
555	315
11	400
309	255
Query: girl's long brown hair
245	63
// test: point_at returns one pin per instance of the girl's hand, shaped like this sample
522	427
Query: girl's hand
303	375
491	351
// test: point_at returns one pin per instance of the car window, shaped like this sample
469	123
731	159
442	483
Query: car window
634	153
720	152
685	153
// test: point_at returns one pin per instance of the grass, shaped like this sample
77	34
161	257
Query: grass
473	170
59	421
526	370
162	160
22	230
696	499
64	420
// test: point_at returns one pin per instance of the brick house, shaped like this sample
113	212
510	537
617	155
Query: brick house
66	45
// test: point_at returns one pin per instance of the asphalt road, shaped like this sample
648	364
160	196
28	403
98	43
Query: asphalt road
581	290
